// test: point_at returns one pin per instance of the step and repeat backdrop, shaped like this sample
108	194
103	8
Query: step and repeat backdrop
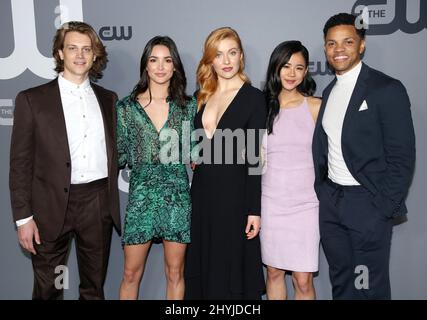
396	44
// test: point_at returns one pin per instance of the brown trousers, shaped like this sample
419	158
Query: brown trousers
88	220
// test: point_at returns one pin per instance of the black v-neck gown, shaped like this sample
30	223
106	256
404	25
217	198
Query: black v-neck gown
220	262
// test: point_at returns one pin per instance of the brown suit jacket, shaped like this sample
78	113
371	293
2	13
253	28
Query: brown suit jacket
40	162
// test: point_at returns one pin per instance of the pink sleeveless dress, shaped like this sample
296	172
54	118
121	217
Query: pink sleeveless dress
289	206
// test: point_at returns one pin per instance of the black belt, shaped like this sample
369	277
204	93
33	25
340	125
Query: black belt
90	185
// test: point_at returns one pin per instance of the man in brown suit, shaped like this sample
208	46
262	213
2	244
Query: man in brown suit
63	166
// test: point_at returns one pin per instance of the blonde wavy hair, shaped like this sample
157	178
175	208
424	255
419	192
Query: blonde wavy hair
206	75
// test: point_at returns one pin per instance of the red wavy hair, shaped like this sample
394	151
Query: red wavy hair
206	76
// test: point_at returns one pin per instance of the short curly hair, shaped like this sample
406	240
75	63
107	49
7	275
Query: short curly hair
343	19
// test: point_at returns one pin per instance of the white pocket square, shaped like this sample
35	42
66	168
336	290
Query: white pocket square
363	106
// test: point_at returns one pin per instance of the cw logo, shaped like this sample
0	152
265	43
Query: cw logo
319	68
26	55
108	33
388	16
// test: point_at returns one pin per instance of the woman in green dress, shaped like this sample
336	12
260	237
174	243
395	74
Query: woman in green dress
154	125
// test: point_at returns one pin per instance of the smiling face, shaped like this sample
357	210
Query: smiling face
160	66
78	56
293	72
227	60
343	48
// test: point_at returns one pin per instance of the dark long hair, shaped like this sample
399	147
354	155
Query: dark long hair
273	85
178	82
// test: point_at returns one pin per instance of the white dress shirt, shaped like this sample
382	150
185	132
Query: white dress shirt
332	123
85	133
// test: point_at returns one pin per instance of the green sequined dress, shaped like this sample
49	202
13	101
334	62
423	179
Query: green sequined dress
159	205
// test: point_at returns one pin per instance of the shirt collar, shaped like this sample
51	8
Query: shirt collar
350	76
68	85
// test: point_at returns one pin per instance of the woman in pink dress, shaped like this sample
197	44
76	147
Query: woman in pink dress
289	206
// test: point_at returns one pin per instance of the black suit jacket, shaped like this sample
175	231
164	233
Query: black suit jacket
378	144
40	161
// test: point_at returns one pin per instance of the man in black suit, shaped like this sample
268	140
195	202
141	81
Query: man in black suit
63	166
364	156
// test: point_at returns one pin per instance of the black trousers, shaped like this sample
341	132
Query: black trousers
88	220
356	239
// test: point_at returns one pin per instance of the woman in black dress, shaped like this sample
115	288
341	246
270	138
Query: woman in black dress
224	258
